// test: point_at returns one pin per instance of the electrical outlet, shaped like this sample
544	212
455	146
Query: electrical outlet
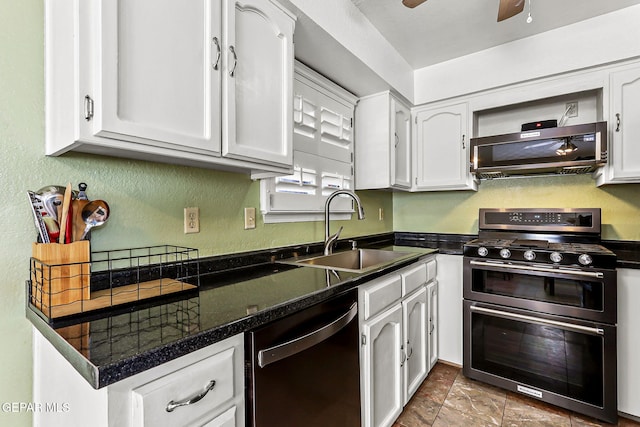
572	107
249	218
191	220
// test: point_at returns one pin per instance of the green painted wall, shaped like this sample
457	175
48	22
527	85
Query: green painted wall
146	199
457	211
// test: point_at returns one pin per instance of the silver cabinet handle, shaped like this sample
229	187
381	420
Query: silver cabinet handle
235	61
218	53
531	319
410	350
296	345
617	122
593	274
397	139
88	108
463	146
404	356
171	406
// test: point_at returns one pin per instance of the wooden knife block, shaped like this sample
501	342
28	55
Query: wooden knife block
60	275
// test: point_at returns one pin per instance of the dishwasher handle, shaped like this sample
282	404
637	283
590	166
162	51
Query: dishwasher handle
294	346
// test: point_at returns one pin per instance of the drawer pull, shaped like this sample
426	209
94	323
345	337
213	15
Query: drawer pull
171	406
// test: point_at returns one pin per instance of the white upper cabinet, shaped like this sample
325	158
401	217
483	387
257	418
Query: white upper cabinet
383	147
203	83
153	82
624	128
442	149
257	81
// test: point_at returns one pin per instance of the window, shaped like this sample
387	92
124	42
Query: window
322	153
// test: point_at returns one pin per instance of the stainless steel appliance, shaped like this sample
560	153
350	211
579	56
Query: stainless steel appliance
540	308
559	150
304	369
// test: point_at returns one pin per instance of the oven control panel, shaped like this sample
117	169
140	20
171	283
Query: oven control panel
543	220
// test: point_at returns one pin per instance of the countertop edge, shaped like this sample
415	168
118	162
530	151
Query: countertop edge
102	376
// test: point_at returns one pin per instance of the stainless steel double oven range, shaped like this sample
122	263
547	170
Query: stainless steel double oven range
540	308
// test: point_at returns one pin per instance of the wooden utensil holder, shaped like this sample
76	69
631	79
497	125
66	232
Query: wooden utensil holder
60	275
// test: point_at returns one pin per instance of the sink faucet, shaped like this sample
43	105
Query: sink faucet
330	240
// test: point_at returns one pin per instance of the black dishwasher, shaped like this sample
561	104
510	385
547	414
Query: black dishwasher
304	369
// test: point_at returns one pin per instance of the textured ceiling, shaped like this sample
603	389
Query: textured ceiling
440	30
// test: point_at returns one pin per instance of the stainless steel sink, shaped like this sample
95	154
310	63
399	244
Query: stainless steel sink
355	261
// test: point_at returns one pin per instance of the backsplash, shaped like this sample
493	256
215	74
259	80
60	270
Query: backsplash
457	211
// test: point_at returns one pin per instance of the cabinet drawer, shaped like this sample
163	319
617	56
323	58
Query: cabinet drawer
380	294
413	278
431	270
150	401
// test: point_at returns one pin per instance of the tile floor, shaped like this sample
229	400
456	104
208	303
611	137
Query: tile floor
447	398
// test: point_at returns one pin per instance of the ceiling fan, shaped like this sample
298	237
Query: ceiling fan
507	8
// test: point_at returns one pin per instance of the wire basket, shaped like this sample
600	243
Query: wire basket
67	280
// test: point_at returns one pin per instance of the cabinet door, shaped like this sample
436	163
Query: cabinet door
155	82
442	161
628	343
401	145
257	81
450	320
414	310
226	419
381	368
432	323
625	126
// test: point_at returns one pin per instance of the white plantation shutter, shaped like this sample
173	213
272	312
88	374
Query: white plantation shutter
322	156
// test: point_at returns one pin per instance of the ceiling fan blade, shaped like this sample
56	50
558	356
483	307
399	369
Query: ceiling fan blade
509	8
412	3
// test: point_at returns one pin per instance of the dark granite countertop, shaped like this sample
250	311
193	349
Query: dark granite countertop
237	293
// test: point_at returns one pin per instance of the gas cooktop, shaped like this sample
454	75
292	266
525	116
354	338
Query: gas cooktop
550	236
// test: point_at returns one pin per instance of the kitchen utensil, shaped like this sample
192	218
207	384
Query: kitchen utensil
78	222
82	195
52	197
94	214
66	203
36	206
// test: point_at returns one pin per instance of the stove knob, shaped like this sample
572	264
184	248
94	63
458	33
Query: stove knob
529	255
482	251
505	253
556	256
585	259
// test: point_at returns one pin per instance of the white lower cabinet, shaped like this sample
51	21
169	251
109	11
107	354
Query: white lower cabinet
432	323
628	341
450	320
381	368
414	322
395	355
203	388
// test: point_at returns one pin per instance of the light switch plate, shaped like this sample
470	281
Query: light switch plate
191	220
249	218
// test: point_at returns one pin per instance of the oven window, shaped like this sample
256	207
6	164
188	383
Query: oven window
549	358
571	292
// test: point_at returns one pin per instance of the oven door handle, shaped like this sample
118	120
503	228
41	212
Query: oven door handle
514	316
594	274
296	345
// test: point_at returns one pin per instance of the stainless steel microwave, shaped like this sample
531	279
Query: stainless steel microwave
560	150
